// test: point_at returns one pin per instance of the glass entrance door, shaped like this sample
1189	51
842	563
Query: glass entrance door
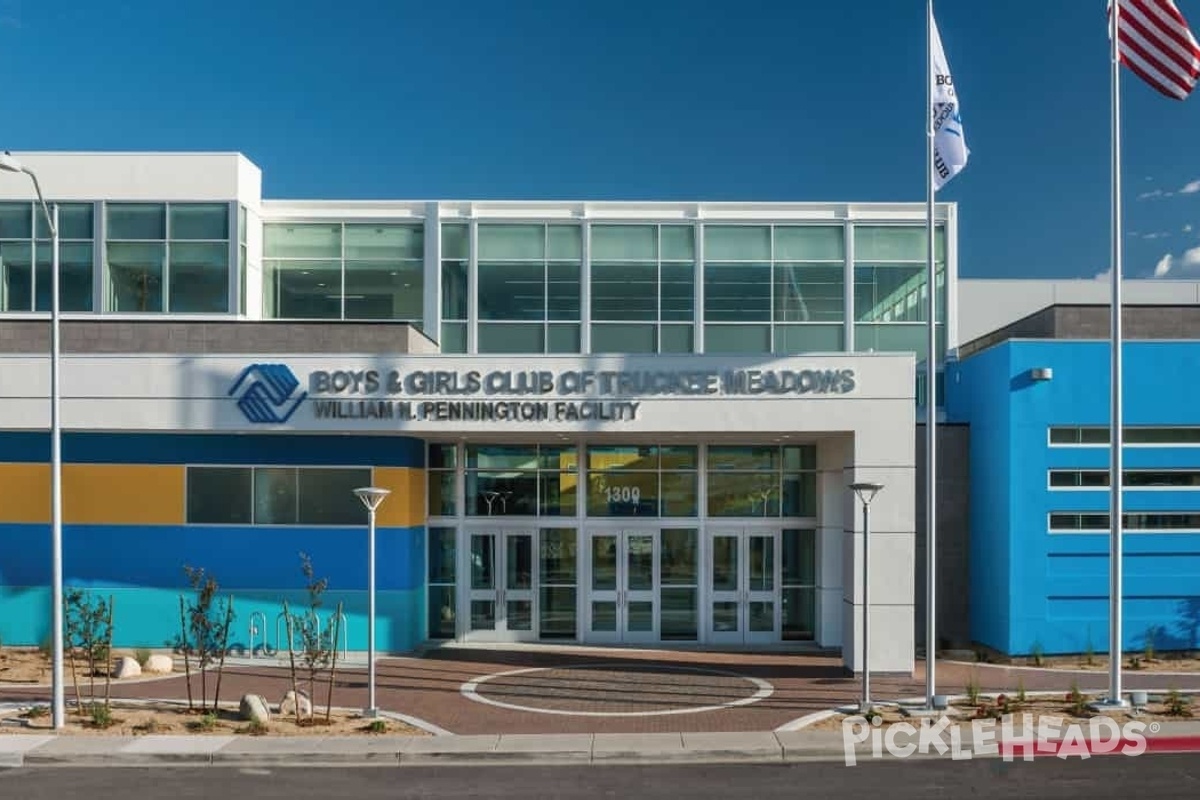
623	586
743	587
503	591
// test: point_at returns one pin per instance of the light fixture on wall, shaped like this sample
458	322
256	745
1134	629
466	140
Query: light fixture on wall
1041	374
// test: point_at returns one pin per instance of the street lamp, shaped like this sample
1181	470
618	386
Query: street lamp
866	493
10	164
371	497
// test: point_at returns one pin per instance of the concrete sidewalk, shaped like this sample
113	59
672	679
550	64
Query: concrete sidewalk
21	750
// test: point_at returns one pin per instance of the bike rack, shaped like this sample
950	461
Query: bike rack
343	625
281	645
258	629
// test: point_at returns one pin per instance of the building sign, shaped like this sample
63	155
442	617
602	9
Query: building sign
269	392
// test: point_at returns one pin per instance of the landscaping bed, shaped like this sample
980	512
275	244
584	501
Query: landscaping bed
1065	709
126	718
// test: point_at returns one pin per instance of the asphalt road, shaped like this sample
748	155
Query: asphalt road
1159	776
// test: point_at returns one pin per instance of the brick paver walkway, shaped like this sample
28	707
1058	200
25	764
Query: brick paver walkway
602	683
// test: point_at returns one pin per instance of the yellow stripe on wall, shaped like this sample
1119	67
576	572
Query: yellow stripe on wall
94	494
405	506
25	493
123	494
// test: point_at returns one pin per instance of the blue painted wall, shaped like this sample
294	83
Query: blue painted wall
1033	589
142	567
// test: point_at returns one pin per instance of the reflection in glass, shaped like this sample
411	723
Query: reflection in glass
443	551
604	563
799	615
518	562
725	617
762	564
483	615
743	494
678	556
799	557
762	616
518	615
604	615
639	563
495	494
483	551
274	496
442	612
640	616
678	614
680	494
556	612
558	557
441	494
135	276
725	564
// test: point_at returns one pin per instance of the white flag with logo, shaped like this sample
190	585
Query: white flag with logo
949	145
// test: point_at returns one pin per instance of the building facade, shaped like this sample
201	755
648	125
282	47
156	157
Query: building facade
601	422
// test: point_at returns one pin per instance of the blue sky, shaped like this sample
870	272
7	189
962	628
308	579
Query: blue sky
654	99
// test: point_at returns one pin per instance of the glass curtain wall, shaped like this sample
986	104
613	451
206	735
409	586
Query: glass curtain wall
456	249
528	288
773	288
167	257
23	288
642	288
891	298
353	271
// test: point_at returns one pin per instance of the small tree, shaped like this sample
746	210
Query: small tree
205	630
317	642
88	633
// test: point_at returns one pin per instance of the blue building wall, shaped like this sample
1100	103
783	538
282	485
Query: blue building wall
141	566
1032	589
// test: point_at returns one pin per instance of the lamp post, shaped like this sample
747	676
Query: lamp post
371	497
10	164
866	493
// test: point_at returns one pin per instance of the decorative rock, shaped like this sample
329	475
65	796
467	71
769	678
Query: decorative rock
254	709
159	665
127	668
287	706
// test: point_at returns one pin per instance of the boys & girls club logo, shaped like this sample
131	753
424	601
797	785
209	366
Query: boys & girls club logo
267	394
1010	737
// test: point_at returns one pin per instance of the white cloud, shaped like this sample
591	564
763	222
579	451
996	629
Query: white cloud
1156	235
1163	266
1191	258
1191	188
1187	228
1150	195
1184	266
1103	276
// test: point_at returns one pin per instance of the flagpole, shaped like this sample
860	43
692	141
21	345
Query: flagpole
930	383
1116	433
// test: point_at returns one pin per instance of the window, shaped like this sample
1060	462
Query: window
443	570
1181	436
443	493
642	480
521	480
243	265
680	576
23	288
774	289
1133	478
559	576
799	584
642	288
1133	522
528	288
762	481
167	257
344	271
456	247
891	287
275	495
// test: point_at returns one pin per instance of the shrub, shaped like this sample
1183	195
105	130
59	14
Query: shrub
376	726
101	716
206	722
37	712
973	690
1176	705
1076	701
1021	691
142	654
254	728
1038	656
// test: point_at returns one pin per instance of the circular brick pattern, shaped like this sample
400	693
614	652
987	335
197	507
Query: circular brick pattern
617	690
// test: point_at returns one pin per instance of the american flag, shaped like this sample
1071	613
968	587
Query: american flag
1158	46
